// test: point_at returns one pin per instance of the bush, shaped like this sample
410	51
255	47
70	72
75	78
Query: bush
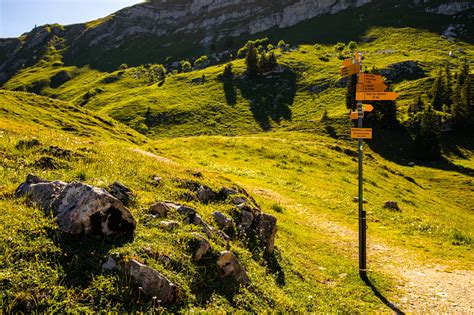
201	61
123	66
352	46
185	65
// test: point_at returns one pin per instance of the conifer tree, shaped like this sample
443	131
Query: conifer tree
416	107
252	60
462	110
426	133
448	90
437	92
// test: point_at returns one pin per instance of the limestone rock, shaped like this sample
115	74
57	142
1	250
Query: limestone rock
230	266
266	231
169	225
161	209
202	247
246	221
222	220
109	265
226	192
79	208
153	283
121	192
206	194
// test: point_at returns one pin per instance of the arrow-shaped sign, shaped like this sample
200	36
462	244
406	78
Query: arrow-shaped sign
371	87
368	107
349	70
376	96
370	78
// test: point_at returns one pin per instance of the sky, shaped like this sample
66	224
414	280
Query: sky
20	16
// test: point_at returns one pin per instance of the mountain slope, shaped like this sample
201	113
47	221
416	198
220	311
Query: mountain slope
170	30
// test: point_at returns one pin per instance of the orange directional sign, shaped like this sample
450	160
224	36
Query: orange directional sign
370	78
376	96
355	115
361	133
347	62
349	70
371	87
368	107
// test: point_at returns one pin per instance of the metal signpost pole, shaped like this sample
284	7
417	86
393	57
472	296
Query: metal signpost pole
362	213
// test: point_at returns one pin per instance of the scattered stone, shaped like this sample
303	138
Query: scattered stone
266	231
79	208
206	194
156	180
222	220
202	246
356	199
121	192
411	164
226	192
153	283
161	209
246	220
192	217
239	201
392	205
229	265
109	265
169	225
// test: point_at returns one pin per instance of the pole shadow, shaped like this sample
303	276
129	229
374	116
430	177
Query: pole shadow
379	295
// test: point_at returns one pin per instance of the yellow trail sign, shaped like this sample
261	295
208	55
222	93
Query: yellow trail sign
361	133
355	115
370	78
371	87
347	62
349	70
368	107
376	96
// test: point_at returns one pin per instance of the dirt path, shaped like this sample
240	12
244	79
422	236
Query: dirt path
424	288
156	157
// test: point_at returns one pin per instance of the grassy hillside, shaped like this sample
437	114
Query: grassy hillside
199	103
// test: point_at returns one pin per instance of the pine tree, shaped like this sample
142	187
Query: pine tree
448	90
272	61
416	107
263	63
252	60
462	110
437	92
426	133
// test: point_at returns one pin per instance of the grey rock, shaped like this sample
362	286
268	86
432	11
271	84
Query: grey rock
109	265
153	283
392	205
239	201
399	71
192	217
206	194
161	209
230	266
121	192
246	221
40	191
79	208
169	225
266	231
222	220
203	246
226	192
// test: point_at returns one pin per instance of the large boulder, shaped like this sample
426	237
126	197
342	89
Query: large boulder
153	283
230	266
79	208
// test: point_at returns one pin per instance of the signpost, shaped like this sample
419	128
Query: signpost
370	87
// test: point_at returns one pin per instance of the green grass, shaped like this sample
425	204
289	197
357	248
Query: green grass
301	170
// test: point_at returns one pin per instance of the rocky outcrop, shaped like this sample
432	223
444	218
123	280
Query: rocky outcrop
79	208
230	266
451	7
405	70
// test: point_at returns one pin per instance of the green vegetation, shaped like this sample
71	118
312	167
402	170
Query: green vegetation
281	135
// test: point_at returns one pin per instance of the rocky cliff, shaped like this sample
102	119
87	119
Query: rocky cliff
152	31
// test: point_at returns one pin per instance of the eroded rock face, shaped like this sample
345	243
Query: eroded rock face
230	266
79	208
153	283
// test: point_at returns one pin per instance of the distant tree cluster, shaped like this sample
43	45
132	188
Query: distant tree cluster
152	73
258	62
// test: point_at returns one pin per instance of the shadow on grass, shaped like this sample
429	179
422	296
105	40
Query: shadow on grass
396	145
270	96
84	255
379	295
